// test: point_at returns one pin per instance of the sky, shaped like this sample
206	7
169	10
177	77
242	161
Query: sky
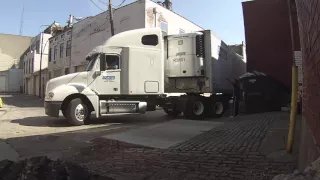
224	17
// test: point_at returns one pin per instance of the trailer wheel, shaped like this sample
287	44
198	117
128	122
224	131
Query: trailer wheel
172	112
77	112
195	108
218	109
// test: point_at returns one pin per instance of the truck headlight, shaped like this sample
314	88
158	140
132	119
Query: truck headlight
50	95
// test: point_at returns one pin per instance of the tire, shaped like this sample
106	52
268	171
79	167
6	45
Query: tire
172	112
218	109
195	108
77	112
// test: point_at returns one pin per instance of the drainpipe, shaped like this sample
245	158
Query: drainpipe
294	90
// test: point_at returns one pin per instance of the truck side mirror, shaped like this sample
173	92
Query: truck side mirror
98	73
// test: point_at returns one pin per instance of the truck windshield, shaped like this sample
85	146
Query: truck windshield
92	59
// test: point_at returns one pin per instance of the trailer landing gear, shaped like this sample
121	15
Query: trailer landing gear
172	112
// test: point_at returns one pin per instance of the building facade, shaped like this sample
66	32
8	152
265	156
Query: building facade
32	60
11	63
60	53
268	38
94	31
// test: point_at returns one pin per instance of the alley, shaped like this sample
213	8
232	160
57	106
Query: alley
153	146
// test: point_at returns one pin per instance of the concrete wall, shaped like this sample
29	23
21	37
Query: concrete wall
309	13
13	80
11	48
94	31
268	39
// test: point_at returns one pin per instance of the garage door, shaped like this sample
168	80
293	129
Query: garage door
2	83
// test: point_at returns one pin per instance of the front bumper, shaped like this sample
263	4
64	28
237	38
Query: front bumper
52	108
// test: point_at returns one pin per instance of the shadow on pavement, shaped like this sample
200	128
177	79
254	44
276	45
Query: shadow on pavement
21	100
41	121
46	121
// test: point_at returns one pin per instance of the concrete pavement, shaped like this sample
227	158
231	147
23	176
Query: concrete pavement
244	147
231	150
165	134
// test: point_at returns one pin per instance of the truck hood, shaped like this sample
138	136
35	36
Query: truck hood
66	79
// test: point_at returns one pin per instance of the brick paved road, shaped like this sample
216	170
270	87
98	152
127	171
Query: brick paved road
227	152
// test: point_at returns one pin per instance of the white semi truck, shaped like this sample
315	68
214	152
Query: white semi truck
137	70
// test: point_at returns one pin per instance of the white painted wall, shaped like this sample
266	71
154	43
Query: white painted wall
11	80
15	77
94	31
174	21
35	54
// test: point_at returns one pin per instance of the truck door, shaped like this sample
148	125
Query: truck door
109	80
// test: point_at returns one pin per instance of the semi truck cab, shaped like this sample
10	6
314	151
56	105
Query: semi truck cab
125	75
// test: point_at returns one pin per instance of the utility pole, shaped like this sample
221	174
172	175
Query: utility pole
41	53
111	18
22	19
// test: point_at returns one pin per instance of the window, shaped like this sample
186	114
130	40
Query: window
181	31
51	41
55	53
29	67
164	27
112	62
68	49
62	35
56	38
50	54
92	59
61	50
66	71
150	40
24	67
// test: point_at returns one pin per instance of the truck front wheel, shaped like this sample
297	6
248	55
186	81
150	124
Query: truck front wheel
77	112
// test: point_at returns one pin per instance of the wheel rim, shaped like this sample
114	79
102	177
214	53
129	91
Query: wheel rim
198	108
218	108
80	112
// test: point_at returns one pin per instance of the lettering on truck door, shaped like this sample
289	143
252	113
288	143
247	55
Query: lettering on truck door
109	80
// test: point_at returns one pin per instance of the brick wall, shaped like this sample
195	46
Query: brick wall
268	38
309	25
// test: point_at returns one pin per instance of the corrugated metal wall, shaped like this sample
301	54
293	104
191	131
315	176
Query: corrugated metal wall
268	38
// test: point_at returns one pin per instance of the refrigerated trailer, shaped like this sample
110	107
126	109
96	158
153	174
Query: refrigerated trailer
137	70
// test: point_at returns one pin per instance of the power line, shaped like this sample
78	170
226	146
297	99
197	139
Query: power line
121	4
97	5
90	34
105	3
